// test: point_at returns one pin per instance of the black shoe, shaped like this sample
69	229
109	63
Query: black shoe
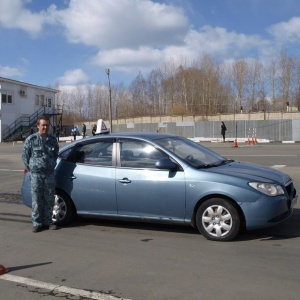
36	228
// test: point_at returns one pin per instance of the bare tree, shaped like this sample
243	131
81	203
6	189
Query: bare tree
239	69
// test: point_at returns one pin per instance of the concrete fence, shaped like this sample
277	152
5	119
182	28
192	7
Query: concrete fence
265	126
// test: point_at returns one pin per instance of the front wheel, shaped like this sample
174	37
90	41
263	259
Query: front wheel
63	211
218	220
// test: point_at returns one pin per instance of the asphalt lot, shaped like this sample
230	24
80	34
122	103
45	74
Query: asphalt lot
95	259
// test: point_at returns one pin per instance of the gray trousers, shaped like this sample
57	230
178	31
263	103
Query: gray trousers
43	193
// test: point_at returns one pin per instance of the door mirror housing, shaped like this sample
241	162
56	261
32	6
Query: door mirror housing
165	163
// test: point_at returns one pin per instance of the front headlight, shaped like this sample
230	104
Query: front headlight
267	188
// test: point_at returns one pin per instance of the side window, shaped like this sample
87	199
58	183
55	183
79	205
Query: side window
138	154
98	153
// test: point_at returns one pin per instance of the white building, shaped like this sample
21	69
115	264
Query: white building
20	106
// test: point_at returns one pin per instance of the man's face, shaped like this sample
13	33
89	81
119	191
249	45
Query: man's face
43	127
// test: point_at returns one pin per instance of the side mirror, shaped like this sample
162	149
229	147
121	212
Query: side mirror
165	163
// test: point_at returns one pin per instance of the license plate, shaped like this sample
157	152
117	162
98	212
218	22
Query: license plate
294	201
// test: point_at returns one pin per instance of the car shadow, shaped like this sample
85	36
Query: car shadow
135	225
288	229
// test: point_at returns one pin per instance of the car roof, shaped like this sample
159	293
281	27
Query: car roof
143	135
150	136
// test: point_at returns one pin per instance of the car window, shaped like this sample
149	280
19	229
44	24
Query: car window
138	154
98	153
192	153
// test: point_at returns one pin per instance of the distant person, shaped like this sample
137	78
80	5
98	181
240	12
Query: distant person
57	132
83	130
223	131
94	129
74	132
39	155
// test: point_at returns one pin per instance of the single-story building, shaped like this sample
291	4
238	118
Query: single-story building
20	106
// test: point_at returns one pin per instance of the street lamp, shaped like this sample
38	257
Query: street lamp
110	110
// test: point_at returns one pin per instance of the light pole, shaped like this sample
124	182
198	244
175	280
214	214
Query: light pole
109	91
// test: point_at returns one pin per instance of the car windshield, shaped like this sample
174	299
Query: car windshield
195	155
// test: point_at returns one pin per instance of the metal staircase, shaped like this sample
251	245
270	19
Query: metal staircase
22	126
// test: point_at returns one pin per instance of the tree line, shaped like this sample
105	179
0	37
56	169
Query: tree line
203	87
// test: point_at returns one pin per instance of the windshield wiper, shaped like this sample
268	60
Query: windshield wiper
219	163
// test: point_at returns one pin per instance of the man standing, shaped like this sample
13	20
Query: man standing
223	131
83	130
39	156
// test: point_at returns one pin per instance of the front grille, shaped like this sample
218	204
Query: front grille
290	189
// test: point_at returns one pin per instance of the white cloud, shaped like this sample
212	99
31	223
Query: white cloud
127	60
14	15
10	72
216	41
124	23
73	77
286	31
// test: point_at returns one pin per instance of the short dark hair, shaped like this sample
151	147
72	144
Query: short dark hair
45	118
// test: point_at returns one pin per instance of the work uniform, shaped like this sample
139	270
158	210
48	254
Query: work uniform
39	156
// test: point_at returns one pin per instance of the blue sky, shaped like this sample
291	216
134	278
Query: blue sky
48	42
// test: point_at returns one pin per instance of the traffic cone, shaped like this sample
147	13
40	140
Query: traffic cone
248	142
235	143
3	270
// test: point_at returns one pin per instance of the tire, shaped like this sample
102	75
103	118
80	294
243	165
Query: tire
63	210
218	220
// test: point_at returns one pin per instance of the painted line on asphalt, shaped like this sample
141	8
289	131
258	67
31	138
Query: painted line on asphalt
278	166
59	288
9	170
259	155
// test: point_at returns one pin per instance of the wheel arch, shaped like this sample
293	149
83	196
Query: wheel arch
230	200
70	198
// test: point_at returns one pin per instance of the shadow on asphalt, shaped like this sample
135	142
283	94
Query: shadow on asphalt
288	229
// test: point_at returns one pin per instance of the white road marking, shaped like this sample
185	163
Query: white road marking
259	155
278	166
59	288
9	170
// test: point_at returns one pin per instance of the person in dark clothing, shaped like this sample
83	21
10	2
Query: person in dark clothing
83	130
94	129
57	133
223	131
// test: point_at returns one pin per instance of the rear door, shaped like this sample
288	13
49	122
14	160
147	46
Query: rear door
88	175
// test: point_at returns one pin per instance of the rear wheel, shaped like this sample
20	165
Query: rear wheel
63	211
217	219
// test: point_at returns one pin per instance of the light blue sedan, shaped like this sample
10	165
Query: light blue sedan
166	178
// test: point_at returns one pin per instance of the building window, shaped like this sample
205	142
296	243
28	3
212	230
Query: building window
6	97
49	102
40	100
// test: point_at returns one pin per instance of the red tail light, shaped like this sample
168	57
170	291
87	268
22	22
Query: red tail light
25	171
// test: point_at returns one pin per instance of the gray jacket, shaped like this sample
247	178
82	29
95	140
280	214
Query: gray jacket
39	155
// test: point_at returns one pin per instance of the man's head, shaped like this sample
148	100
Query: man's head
43	125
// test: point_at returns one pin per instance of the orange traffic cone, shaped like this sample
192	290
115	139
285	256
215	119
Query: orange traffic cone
248	142
235	143
3	270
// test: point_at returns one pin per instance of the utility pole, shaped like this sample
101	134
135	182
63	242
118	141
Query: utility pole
109	100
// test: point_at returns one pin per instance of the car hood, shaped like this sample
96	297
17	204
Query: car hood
252	172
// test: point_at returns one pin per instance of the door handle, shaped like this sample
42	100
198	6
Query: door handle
124	180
